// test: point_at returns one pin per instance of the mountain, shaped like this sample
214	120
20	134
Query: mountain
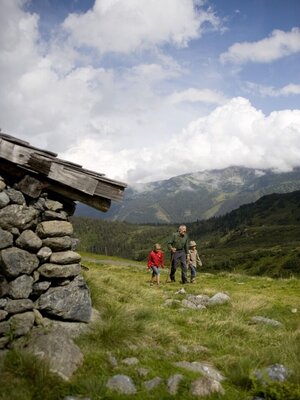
196	196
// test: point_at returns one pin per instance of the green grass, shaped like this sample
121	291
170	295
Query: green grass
134	322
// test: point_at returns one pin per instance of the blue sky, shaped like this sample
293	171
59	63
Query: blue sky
143	90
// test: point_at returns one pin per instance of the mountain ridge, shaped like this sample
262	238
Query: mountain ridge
196	196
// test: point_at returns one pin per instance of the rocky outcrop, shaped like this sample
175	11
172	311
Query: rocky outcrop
39	267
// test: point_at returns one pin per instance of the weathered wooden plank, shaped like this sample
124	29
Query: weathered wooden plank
99	203
69	179
14	153
73	178
109	190
23	143
39	163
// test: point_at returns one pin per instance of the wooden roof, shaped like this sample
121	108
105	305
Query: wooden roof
39	169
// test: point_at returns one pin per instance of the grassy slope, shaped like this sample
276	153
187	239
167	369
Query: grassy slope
135	323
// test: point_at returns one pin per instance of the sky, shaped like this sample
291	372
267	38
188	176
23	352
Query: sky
144	90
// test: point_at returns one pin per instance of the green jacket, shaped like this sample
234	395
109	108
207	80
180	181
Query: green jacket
179	242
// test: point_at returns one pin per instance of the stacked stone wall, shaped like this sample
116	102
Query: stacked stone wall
39	267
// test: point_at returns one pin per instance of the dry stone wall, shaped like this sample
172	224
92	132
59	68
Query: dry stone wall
39	267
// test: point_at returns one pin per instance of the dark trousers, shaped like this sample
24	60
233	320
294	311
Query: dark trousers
179	256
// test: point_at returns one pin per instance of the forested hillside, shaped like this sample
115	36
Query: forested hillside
258	238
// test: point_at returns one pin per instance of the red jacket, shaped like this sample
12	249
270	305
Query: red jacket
156	259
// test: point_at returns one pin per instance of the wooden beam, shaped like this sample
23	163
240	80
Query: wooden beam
73	178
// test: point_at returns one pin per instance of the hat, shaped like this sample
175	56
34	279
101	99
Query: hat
192	243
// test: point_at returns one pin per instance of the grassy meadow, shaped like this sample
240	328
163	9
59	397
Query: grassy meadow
135	322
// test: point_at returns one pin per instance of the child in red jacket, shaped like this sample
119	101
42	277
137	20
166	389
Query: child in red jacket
155	261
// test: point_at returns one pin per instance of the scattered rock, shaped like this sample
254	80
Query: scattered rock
267	321
206	386
130	361
275	372
58	349
143	372
219	298
203	368
153	383
122	384
173	383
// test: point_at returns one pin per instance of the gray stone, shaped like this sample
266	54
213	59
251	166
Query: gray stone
6	239
39	204
4	327
3	303
21	287
15	261
130	361
2	185
206	386
18	306
4	199
65	257
29	240
218	298
143	372
122	384
58	243
18	216
54	228
3	342
40	287
52	215
44	254
267	321
38	318
15	196
21	324
15	232
173	383
153	383
203	368
36	276
53	205
188	304
58	349
49	270
71	302
275	372
3	315
200	299
4	286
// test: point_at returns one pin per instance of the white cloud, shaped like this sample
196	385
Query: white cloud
233	134
131	25
278	45
197	95
287	90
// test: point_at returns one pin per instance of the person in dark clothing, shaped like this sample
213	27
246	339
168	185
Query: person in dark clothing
178	245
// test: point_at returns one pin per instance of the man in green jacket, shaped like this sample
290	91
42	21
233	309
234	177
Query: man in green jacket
178	245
